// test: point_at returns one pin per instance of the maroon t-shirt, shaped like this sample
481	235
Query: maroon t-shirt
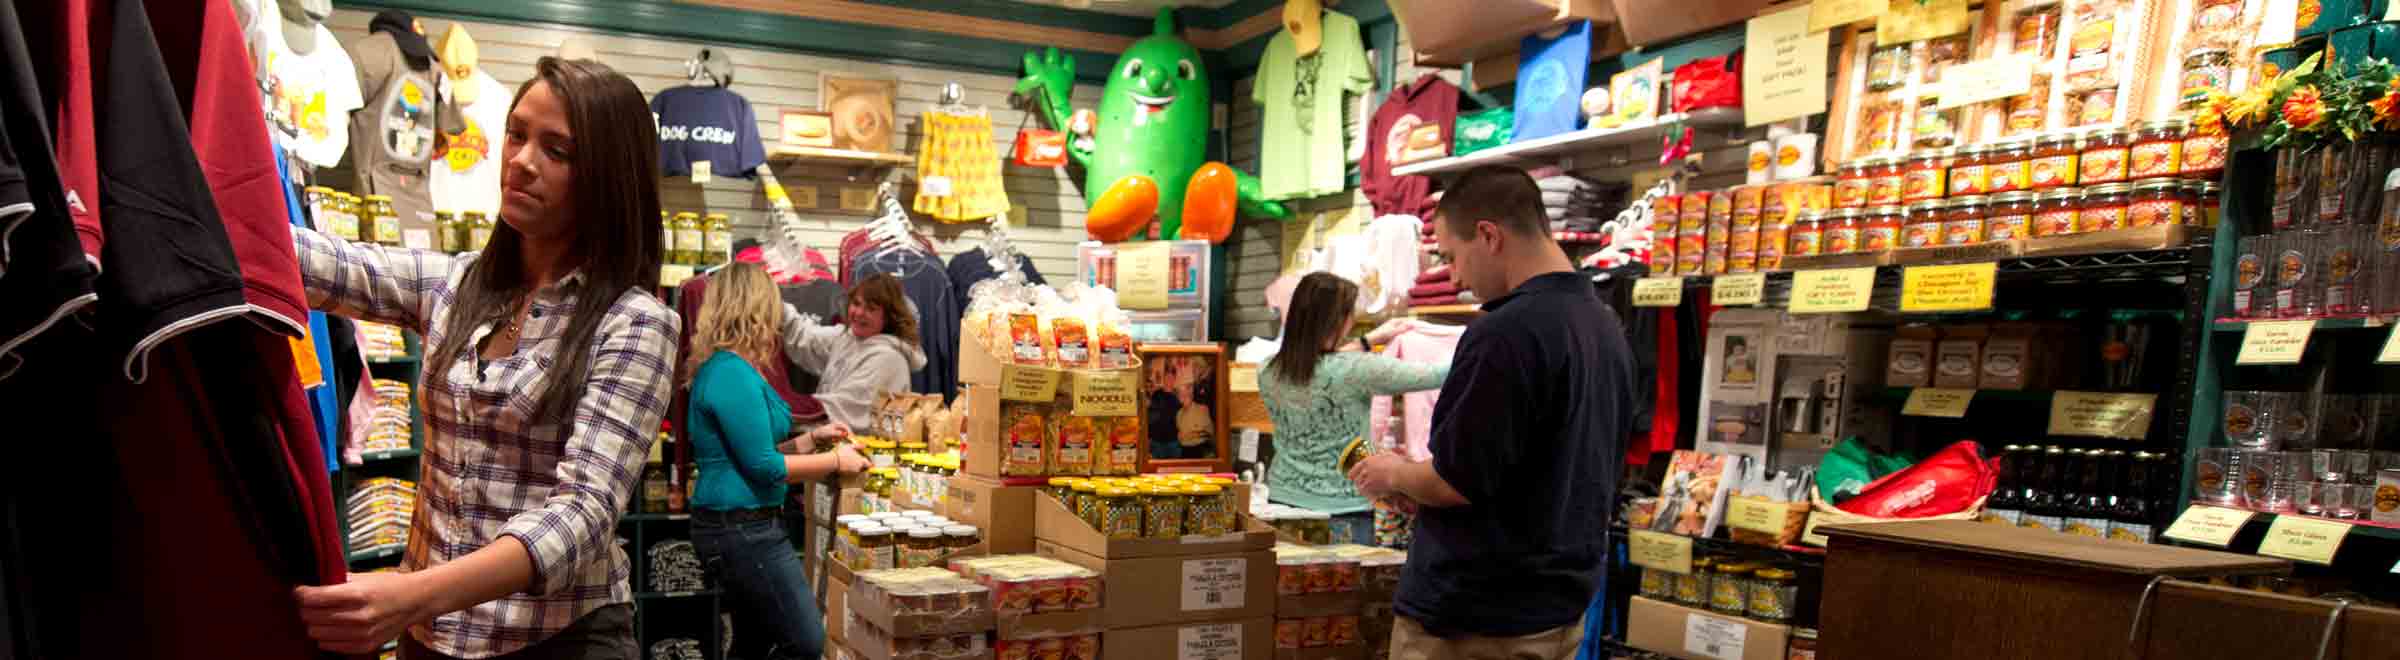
1429	100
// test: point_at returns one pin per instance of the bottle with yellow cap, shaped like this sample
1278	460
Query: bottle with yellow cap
1120	514
689	239
717	239
445	233
386	224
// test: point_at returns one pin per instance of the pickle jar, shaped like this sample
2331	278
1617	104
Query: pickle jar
384	224
1772	594
1062	488
1087	502
2155	202
666	237
445	233
1966	171
1162	511
2054	212
1691	587
1963	221
1208	513
1850	185
1923	225
1729	591
341	216
1807	238
2104	152
2051	164
479	229
1879	230
690	239
1924	176
2103	208
2007	216
2157	150
1842	230
2004	167
1120	514
1883	181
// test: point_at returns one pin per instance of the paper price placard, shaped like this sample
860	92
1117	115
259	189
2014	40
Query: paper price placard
1828	14
1104	393
1836	290
2208	525
1783	67
1937	402
2391	345
1984	80
1756	514
1658	292
1739	289
673	274
802	197
1660	550
1142	276
858	199
1954	288
1028	384
1242	378
2275	342
1919	20
2101	414
2301	538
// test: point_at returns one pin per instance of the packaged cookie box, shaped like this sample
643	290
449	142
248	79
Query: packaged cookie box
1027	584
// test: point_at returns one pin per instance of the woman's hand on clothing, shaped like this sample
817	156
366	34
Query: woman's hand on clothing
1392	329
361	615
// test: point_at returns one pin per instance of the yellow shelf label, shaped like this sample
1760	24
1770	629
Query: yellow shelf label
1242	378
1658	292
1029	384
2274	342
1954	288
2391	347
2102	414
1756	514
1105	392
1660	550
2208	525
1937	402
1739	289
1835	290
2301	538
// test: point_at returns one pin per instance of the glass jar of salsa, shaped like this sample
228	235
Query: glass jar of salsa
1850	186
1966	171
2189	193
1925	176
1883	181
2051	164
2054	212
1807	237
2157	150
1962	221
1922	226
2103	208
2155	202
2004	167
2203	153
2209	209
2104	155
1842	231
1879	229
2007	216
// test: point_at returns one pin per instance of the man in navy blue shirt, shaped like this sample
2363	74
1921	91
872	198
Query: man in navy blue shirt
1514	507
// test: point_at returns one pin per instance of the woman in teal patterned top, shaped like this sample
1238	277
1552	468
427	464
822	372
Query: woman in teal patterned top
1317	389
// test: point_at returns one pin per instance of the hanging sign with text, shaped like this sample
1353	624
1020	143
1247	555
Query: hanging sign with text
1835	290
1953	288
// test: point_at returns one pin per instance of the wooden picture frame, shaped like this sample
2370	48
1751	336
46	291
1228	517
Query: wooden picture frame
862	109
1185	376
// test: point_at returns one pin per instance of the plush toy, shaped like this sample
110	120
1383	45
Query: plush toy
1144	162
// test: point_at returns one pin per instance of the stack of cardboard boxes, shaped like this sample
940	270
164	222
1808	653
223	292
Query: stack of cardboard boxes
917	614
1194	597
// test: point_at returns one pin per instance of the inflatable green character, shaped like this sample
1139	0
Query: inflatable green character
1145	156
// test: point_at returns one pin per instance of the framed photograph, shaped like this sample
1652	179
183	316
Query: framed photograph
1182	408
861	109
808	128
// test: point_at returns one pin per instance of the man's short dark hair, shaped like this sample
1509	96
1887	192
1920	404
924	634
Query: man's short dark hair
1503	195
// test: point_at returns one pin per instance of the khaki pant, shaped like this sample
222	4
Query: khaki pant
1411	642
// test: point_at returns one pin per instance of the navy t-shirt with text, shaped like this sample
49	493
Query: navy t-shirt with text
1530	427
711	124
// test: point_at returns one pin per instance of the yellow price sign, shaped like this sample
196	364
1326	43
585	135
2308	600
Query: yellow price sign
1105	393
1756	514
1835	290
1937	402
1660	550
1658	292
674	274
2275	342
1242	378
1142	273
1738	289
2102	414
1953	288
802	197
1028	384
2301	538
2208	525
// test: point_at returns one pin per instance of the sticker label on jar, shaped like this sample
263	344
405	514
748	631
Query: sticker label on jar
2154	212
2005	227
1919	235
2100	219
2050	171
2053	223
2155	158
2124	531
1883	190
2203	153
2052	523
2290	267
1876	239
2342	266
1841	240
1962	232
2092	527
1806	243
1850	193
2004	178
2248	271
1966	180
1921	185
2104	165
1214	584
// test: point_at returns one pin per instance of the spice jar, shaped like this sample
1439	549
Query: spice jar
1962	221
1729	592
2157	150
2004	166
2007	216
1883	181
1691	588
1922	226
2209	200
2155	202
1657	584
1879	230
1772	593
1208	513
1966	171
1924	176
1850	185
2051	164
1842	231
1807	237
2054	212
2104	156
1887	67
1120	514
2103	208
2204	153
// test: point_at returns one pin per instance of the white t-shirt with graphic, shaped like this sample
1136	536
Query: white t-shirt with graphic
309	96
466	174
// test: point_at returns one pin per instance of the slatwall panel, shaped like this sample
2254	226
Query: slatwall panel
1048	221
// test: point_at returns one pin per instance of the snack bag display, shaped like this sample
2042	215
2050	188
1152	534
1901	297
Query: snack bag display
1073	340
1025	339
1026	438
1122	454
1116	348
1072	455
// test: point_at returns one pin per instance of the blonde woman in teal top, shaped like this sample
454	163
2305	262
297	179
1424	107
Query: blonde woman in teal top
1317	389
736	419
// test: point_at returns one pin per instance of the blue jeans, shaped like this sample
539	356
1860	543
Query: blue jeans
775	616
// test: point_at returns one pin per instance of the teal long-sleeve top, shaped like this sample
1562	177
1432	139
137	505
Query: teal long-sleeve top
734	422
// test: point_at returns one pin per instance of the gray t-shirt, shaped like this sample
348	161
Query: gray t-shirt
392	137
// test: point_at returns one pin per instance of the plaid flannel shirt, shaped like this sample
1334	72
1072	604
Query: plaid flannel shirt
489	468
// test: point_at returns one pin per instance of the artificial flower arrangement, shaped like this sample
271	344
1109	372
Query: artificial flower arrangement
2310	105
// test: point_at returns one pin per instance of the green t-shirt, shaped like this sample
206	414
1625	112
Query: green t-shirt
1300	146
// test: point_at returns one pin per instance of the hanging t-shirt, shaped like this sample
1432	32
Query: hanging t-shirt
309	95
394	134
1550	83
1430	101
711	124
466	174
1301	147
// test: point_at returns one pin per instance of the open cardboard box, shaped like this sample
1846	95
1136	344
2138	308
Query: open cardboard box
1002	512
1054	524
1182	589
1684	632
876	613
1247	639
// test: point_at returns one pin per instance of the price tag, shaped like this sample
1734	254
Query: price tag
1214	584
1937	402
2391	347
2208	525
1142	276
1756	514
1242	377
1658	292
1984	80
1105	393
2101	414
2301	538
2278	342
673	274
937	186
1954	288
858	199
1740	289
703	171
1809	533
1828	14
802	197
1836	290
1028	383
1660	550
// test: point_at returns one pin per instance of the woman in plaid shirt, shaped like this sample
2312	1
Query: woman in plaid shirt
548	372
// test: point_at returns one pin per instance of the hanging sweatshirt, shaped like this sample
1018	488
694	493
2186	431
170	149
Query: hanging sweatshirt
854	370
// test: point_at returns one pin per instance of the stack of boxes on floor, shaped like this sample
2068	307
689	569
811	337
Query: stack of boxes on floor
1334	602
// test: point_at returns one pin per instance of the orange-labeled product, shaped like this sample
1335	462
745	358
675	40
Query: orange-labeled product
2052	162
2157	150
2104	208
2054	212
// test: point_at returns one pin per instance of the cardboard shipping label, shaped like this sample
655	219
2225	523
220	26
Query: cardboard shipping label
1209	642
2208	525
1738	289
1658	292
1951	288
1214	584
2301	538
1714	637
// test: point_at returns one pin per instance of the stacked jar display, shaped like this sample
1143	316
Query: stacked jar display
1731	586
2334	248
1743	229
2300	453
1150	506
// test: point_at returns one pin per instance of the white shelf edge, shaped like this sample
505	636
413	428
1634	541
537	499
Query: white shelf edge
1570	142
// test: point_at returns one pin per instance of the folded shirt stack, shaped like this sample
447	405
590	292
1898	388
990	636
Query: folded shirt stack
390	427
378	511
381	342
675	566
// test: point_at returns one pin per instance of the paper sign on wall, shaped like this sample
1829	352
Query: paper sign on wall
1783	75
2301	538
1660	550
1242	377
1829	14
1714	637
1222	641
858	199
1214	584
2208	525
1142	276
1105	393
1937	402
2274	342
801	197
1953	288
703	171
1658	292
2101	414
1984	80
1919	20
1028	383
1835	290
1738	289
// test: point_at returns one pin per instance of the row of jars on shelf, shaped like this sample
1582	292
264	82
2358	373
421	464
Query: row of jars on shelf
2167	148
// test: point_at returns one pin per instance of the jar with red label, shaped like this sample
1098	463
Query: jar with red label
1850	185
1879	229
1925	176
2204	153
1694	210
1691	245
1966	171
1962	221
2054	212
2155	202
1922	227
2157	150
2104	208
2189	193
2004	167
1807	237
1883	181
2051	164
2104	156
1843	230
2007	216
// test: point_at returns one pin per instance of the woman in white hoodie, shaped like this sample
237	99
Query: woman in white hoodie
873	351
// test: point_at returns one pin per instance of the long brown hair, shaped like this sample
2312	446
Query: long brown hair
616	246
882	290
1320	311
743	313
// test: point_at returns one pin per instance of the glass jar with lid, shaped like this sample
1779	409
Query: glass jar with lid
1087	501
2051	163
2189	194
690	239
1691	588
2103	155
2157	150
2155	202
445	233
875	545
923	548
1842	232
716	233
1962	221
1773	591
2210	211
1808	234
1922	226
2007	216
1925	175
2004	166
2054	212
1850	185
1658	585
1207	514
1883	180
960	539
385	223
479	229
2103	208
2203	153
1120	514
1966	170
1879	230
1162	512
340	215
1729	591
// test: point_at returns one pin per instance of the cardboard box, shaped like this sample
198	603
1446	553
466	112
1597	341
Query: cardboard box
1045	625
1343	652
1910	362
1958	357
896	625
1684	632
1649	22
837	606
825	503
1003	513
1054	524
1164	590
1246	639
1307	605
2007	362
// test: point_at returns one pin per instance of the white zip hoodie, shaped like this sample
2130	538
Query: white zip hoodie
851	370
